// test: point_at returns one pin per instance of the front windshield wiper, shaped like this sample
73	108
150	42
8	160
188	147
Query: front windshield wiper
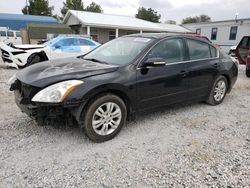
95	60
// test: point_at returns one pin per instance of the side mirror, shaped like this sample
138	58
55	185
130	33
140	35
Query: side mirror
154	62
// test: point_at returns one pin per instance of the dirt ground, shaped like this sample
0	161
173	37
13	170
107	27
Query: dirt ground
194	145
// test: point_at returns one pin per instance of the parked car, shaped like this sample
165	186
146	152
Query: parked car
134	73
10	36
60	47
243	53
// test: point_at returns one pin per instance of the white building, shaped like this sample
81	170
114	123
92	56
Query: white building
105	27
225	33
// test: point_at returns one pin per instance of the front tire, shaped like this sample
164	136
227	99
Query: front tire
218	91
104	117
248	73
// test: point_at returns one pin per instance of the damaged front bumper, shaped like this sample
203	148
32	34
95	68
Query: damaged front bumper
46	113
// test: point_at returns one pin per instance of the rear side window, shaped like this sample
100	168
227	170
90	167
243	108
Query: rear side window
170	50
10	34
198	50
84	42
3	33
213	51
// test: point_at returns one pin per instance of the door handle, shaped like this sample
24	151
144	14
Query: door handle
183	74
216	65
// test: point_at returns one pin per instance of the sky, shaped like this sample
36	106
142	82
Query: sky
169	9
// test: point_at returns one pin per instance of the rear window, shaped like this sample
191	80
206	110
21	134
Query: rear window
198	50
3	33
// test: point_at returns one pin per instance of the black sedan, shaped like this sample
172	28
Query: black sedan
109	85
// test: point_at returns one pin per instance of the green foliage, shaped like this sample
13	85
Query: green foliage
93	7
148	14
73	5
38	7
196	19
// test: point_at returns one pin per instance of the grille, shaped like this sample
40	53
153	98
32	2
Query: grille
27	92
6	56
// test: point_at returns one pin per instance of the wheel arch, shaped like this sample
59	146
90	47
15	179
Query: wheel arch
100	91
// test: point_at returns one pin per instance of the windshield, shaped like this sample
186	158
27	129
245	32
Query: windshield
51	41
119	51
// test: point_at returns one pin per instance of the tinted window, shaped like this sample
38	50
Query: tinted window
170	50
84	42
214	33
198	49
233	33
213	51
10	34
3	33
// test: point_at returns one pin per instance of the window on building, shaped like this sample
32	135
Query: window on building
111	35
94	35
198	50
198	31
3	33
10	33
233	33
214	33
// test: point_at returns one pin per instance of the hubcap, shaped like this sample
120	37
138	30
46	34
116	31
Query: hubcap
106	118
219	90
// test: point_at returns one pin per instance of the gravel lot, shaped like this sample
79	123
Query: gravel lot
193	145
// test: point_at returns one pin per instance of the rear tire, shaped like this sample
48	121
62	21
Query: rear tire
248	73
218	91
104	117
33	59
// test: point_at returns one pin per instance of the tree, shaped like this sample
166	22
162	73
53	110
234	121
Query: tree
73	5
38	7
148	14
196	19
93	7
205	18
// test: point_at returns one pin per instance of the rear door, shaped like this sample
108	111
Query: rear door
203	67
242	49
158	86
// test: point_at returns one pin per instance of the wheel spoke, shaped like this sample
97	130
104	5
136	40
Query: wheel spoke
97	123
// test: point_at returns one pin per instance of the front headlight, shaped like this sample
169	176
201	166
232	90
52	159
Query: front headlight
57	92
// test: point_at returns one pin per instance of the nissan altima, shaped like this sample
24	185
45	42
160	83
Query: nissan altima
101	90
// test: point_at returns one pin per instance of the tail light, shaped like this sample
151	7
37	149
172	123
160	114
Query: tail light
248	57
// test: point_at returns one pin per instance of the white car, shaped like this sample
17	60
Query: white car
19	56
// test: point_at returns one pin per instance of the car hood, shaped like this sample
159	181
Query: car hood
47	73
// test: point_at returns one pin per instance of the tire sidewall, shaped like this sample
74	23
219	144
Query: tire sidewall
92	107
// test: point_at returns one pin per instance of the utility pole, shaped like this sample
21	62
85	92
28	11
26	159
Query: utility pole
27	8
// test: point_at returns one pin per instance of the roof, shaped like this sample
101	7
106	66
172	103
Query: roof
121	22
220	21
39	31
19	21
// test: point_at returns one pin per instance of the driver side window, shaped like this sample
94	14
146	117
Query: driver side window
171	50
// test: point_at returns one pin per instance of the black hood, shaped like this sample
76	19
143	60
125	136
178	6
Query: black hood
46	73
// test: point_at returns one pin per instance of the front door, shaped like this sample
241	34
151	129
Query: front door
157	86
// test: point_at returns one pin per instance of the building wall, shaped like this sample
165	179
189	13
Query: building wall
223	32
